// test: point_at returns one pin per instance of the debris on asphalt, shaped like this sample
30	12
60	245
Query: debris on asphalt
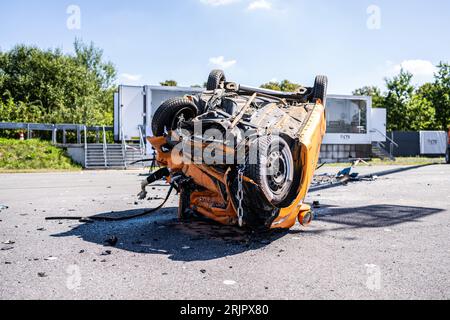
203	271
51	259
8	242
154	198
3	207
82	251
42	275
185	248
111	241
106	253
41	229
342	177
229	282
316	205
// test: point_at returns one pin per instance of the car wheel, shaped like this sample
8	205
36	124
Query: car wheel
447	156
272	169
170	113
320	89
215	79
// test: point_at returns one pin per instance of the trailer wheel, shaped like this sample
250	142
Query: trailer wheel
168	115
272	169
216	77
320	89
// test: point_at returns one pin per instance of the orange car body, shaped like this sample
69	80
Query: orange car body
211	203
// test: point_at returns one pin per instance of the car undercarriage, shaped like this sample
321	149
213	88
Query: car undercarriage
241	155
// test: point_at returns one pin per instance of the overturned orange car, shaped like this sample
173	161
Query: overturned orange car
241	155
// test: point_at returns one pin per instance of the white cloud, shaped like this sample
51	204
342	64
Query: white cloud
260	5
127	77
420	68
217	3
221	63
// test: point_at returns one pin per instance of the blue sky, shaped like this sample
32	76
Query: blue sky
354	42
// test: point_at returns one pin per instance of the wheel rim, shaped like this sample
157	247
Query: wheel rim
279	171
184	114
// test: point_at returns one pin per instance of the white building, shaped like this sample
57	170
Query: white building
353	126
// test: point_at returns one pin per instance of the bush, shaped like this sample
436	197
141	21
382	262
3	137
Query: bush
33	155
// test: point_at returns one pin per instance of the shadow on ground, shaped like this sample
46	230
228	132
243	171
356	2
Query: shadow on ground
374	216
163	234
202	240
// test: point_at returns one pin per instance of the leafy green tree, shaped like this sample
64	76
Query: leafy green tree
421	114
374	92
56	88
92	58
169	83
400	91
285	86
440	95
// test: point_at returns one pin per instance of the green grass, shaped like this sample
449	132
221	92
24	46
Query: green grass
401	161
32	156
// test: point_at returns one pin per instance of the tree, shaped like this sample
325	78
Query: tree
440	95
371	91
400	91
421	114
92	58
57	87
169	83
285	86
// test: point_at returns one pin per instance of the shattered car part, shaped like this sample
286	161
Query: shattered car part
241	155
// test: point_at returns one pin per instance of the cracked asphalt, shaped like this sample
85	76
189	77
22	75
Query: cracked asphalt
382	239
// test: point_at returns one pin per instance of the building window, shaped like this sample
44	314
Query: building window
346	116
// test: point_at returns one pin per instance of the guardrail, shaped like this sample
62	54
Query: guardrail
54	128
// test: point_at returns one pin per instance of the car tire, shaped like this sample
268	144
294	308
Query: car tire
447	156
320	89
273	171
167	116
215	79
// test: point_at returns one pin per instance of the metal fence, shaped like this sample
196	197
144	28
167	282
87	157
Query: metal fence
55	128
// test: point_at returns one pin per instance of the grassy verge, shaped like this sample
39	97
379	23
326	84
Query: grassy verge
33	156
406	161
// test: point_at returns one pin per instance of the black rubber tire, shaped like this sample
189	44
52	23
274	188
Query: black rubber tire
258	172
216	77
320	89
167	115
447	156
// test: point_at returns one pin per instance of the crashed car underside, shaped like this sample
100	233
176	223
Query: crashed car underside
241	155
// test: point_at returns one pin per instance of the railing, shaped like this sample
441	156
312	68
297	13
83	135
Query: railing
124	149
382	145
54	128
142	143
85	147
385	136
105	147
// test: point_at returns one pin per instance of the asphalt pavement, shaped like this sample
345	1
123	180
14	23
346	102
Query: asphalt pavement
382	239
